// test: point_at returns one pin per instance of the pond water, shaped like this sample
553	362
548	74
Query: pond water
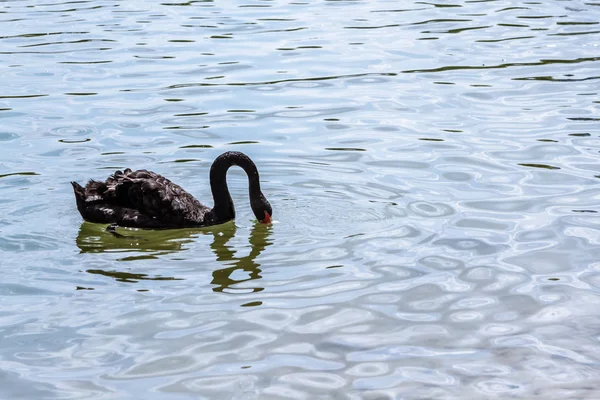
433	169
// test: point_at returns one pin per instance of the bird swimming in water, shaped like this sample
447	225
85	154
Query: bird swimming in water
145	199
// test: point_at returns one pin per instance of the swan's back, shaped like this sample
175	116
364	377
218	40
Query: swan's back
140	198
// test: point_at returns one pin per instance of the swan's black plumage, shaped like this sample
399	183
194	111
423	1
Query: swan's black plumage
145	199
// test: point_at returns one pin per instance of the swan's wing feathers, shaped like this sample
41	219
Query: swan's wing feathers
155	195
94	191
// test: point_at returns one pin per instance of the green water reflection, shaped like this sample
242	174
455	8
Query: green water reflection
149	244
259	240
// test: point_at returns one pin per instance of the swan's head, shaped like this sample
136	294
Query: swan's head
262	209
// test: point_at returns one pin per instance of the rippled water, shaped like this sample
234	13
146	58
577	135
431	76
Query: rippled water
433	169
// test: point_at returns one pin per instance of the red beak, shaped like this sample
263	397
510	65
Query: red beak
267	219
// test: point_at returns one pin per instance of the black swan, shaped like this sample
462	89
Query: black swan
144	199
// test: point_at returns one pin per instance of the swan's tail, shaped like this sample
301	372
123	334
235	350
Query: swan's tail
79	196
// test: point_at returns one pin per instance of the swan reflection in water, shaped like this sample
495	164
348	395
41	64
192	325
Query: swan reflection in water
152	244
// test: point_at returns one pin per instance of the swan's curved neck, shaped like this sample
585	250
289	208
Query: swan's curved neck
223	209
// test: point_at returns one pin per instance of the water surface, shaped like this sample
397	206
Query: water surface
433	169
